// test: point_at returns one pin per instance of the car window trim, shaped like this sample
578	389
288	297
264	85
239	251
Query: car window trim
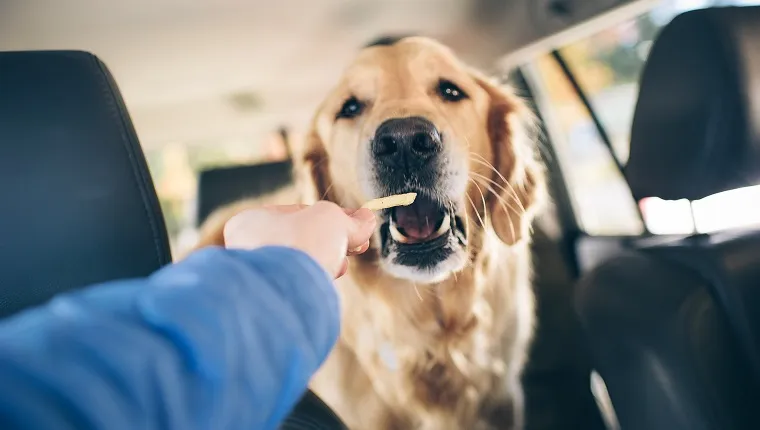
558	184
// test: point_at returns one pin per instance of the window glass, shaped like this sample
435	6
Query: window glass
600	196
607	66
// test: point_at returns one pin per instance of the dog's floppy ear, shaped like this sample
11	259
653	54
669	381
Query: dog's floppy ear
312	169
518	184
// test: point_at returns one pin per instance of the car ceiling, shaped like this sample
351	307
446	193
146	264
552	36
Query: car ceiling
200	72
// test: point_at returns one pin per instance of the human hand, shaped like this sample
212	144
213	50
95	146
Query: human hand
324	231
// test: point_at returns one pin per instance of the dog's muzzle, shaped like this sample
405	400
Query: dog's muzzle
409	156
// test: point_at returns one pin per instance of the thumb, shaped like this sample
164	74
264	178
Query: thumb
360	227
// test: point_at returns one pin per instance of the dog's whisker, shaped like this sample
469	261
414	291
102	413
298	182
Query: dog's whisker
506	207
482	198
417	290
477	213
474	156
521	209
511	190
503	205
327	191
516	196
482	161
499	199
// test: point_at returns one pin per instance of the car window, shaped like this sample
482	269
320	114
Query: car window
600	197
607	67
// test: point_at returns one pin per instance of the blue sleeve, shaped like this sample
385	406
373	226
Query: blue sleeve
223	340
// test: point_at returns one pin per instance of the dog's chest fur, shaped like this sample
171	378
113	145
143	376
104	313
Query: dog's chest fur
442	357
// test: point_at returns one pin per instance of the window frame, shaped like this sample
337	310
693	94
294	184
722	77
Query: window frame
562	200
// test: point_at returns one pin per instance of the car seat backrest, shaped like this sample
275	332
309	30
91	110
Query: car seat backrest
696	127
696	132
220	186
674	325
78	204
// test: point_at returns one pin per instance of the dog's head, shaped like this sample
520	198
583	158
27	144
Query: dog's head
407	116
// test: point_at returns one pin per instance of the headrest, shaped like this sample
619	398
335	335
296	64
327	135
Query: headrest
77	204
219	187
696	127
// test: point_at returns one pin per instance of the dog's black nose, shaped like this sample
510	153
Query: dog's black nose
406	142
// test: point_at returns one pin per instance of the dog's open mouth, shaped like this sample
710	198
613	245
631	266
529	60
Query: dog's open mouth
419	222
426	223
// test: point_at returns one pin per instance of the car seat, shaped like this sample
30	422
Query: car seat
674	324
220	186
79	203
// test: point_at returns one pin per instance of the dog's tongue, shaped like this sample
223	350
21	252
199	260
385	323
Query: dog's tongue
418	220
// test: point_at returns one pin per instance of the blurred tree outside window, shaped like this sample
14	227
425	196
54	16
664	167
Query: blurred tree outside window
607	66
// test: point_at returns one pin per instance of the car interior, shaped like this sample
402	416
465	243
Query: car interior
646	266
221	186
69	149
671	322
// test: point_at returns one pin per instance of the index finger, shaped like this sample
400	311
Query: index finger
285	208
361	226
300	206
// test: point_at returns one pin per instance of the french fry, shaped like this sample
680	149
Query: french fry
390	201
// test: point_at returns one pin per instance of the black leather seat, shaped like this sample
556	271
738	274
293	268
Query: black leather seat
223	185
79	205
674	325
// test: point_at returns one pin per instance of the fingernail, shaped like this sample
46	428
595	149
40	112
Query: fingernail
364	214
343	269
357	249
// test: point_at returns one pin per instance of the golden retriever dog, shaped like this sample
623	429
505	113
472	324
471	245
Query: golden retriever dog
438	314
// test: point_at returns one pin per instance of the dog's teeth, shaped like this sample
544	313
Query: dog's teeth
445	225
443	229
396	235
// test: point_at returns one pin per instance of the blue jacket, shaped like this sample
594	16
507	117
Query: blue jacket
223	340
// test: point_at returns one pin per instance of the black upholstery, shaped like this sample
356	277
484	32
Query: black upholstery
663	343
674	324
79	205
311	413
220	186
695	129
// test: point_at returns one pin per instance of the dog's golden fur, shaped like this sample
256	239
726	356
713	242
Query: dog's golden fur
449	354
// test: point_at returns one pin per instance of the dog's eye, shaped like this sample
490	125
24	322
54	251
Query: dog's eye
450	92
350	109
